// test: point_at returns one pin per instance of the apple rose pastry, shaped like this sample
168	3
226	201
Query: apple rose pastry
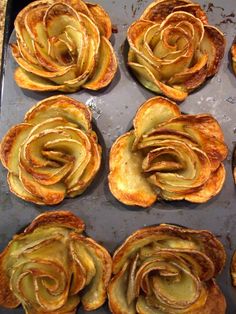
173	49
63	45
168	155
53	154
51	267
167	269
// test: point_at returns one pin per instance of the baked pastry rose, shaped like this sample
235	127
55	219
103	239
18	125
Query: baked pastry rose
167	269
63	45
51	267
53	154
173	49
168	155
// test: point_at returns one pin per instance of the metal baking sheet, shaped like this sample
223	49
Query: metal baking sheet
107	220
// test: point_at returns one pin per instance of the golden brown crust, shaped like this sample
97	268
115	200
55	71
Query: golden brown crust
54	154
58	218
8	141
101	18
211	188
158	10
75	262
234	164
168	155
218	40
7	298
175	69
124	178
215	300
233	269
73	57
107	69
210	245
167	250
62	101
233	53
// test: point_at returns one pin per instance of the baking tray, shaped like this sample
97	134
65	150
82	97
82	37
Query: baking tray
107	220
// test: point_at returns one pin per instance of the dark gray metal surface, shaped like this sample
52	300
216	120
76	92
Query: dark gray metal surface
107	220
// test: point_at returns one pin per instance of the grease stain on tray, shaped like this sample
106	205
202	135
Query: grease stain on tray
226	18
